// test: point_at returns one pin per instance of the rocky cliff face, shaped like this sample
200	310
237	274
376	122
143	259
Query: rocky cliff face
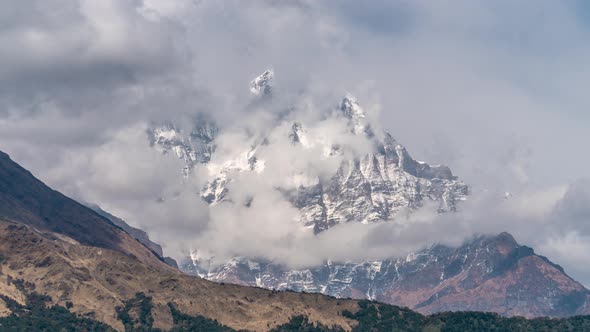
375	187
193	147
136	233
492	273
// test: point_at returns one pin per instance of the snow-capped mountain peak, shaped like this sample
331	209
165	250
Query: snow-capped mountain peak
168	137
193	148
351	108
371	187
261	85
354	113
375	181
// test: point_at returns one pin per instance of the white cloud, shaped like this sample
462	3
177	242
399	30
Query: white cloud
570	250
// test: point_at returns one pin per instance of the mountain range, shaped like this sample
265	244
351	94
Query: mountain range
371	187
60	258
487	273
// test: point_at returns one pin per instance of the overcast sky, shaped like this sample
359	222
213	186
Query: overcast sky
497	90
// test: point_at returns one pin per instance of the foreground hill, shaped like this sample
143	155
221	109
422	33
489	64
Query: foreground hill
26	199
95	281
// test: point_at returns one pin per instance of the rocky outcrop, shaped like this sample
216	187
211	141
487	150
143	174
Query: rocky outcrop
193	147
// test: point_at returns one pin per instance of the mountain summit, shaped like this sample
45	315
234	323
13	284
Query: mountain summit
369	186
261	86
375	179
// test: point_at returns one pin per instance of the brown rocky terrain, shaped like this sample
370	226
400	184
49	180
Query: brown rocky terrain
97	280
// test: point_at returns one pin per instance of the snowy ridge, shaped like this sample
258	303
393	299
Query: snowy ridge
370	188
193	148
372	185
261	85
353	111
436	279
367	279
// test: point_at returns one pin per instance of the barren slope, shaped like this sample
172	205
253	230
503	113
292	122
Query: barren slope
25	199
96	280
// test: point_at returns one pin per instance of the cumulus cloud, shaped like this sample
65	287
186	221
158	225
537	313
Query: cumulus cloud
494	90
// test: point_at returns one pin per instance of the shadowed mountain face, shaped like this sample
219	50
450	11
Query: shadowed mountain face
25	199
136	233
489	273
